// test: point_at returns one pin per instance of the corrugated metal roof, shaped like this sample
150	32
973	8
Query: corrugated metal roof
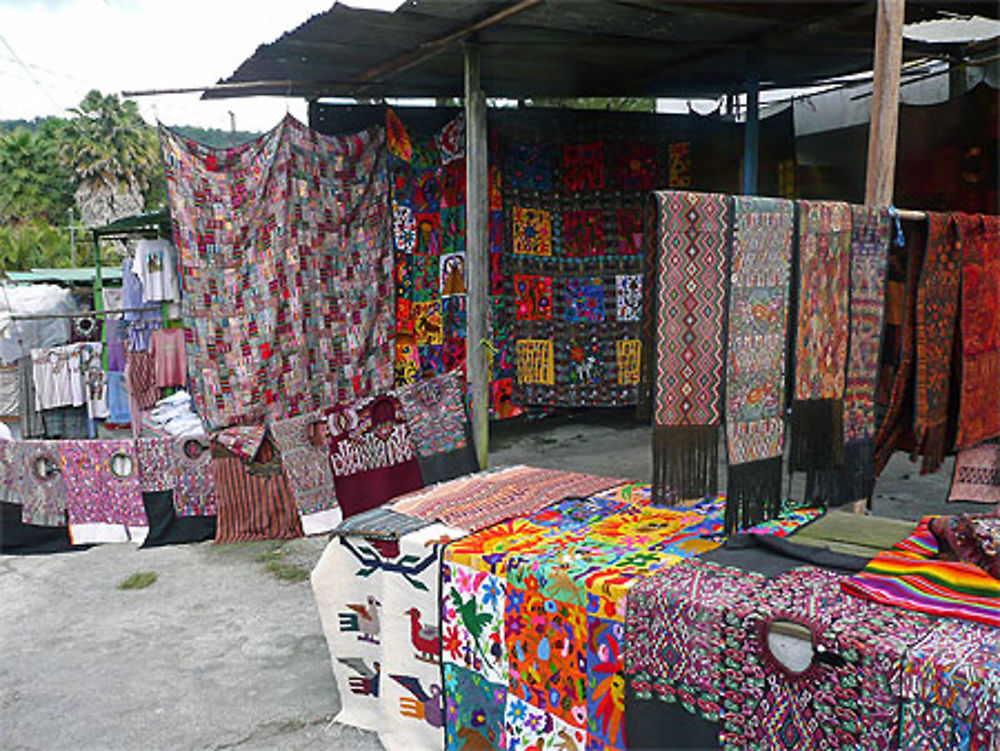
84	275
573	48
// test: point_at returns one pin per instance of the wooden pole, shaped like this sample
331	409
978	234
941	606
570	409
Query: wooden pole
751	136
477	251
882	131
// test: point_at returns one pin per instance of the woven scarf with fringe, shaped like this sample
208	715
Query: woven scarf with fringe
822	334
691	279
755	378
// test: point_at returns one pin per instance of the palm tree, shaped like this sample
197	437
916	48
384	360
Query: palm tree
34	185
114	154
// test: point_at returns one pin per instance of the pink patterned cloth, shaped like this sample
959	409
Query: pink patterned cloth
102	482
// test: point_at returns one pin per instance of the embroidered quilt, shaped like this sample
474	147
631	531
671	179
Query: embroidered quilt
574	235
286	264
532	612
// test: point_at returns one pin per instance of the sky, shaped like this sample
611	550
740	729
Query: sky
52	52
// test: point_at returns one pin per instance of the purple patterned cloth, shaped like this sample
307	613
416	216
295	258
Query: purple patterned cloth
102	482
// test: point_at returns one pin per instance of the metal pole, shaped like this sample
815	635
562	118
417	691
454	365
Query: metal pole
477	251
751	135
882	132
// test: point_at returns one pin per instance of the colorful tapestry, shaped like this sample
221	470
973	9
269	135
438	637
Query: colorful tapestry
102	489
156	464
428	204
937	316
909	575
483	499
970	538
535	608
286	264
824	279
951	689
378	602
372	453
755	375
979	407
307	467
573	241
894	394
788	523
242	440
855	479
977	474
434	409
37	484
697	635
194	494
691	267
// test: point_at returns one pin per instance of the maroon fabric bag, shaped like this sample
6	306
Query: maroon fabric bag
372	454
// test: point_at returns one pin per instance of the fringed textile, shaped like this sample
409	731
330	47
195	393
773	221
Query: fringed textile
822	334
691	278
937	316
755	381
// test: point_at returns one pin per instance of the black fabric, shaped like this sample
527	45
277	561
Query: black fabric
166	528
18	538
773	556
443	467
656	725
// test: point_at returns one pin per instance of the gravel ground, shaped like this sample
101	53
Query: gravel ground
221	653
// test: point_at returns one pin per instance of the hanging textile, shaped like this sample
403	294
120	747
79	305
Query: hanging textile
937	316
140	376
951	689
379	604
574	239
855	479
307	467
37	484
169	357
910	575
824	282
286	267
435	413
755	377
253	500
371	454
535	608
114	325
104	497
692	273
428	204
979	406
32	425
156	464
977	474
194	491
484	499
896	379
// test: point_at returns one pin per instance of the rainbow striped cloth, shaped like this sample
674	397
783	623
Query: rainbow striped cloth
909	576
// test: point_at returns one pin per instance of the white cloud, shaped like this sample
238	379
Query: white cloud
72	46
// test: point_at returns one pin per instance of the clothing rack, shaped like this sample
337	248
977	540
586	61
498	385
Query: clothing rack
87	314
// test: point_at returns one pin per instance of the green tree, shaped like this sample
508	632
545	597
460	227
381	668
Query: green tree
34	184
114	154
32	244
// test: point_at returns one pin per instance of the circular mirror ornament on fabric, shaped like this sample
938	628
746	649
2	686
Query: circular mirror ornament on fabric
44	468
790	645
122	465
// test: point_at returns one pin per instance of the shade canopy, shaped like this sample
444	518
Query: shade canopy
574	48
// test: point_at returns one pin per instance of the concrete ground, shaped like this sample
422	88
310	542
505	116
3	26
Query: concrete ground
221	653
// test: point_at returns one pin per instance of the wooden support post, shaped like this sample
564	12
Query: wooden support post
884	125
751	136
477	250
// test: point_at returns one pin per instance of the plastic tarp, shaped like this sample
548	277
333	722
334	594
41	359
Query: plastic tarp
19	337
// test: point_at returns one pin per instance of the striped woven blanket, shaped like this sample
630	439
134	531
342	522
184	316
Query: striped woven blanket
909	576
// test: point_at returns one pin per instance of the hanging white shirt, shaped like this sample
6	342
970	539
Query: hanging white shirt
155	266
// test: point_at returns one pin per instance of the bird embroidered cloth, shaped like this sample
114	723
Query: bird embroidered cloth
286	264
532	611
378	603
